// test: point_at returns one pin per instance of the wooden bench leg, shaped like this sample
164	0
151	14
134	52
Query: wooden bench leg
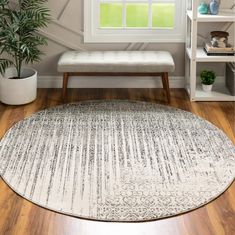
166	86
65	85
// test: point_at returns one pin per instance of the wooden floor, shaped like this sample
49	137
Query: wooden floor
20	217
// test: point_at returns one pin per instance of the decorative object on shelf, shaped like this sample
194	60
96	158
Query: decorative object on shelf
203	8
207	79
19	25
230	77
219	39
219	46
214	7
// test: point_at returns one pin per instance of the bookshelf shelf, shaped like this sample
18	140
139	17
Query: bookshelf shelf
201	56
225	15
219	93
196	54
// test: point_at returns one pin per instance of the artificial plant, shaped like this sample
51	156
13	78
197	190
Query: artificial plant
207	77
20	22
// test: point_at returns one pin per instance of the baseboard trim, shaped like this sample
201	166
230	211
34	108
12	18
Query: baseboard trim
109	82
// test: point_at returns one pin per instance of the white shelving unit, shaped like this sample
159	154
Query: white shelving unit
195	54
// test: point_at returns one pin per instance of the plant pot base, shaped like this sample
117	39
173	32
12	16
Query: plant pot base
207	88
18	91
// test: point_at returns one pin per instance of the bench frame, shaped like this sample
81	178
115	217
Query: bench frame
163	75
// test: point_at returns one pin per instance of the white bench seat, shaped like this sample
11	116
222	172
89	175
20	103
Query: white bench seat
131	63
117	61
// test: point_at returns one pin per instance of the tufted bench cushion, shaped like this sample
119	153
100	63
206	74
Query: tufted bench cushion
116	61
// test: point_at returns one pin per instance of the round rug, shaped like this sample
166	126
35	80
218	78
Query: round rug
117	160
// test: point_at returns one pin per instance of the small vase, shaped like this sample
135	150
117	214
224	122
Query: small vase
214	7
207	88
203	8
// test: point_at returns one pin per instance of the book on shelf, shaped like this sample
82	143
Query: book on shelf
217	51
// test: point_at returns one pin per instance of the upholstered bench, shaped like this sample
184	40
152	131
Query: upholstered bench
116	63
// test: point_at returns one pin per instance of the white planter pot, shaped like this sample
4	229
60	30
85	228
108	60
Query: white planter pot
18	91
207	88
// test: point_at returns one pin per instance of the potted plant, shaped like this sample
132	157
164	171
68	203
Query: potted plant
19	44
207	79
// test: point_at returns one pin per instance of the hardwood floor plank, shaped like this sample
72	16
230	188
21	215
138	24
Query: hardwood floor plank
20	217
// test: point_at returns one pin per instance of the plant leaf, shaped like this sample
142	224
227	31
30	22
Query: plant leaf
19	26
4	64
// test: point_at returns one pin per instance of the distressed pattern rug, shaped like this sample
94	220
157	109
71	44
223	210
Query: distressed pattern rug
117	160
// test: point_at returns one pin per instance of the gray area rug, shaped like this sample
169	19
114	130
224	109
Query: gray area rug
117	160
